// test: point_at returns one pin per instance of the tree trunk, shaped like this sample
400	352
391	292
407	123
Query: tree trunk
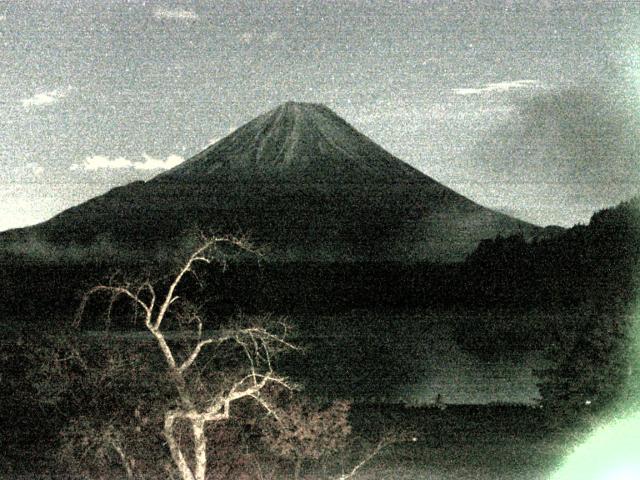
200	447
123	458
176	453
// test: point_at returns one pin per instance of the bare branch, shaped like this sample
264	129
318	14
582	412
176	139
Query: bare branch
194	354
258	336
123	458
116	292
381	444
174	447
198	256
270	411
252	366
387	439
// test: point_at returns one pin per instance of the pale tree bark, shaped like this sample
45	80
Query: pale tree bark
200	447
176	453
126	464
257	342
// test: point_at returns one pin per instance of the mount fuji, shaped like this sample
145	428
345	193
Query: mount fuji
300	179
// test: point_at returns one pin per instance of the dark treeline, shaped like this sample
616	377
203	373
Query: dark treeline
593	264
587	273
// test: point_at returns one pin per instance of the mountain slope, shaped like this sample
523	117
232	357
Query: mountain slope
297	139
300	179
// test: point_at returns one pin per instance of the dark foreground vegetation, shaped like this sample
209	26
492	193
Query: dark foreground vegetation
73	403
63	416
461	442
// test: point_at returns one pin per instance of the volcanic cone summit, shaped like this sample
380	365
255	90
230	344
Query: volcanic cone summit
300	179
298	139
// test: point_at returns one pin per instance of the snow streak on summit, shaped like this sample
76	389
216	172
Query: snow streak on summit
295	139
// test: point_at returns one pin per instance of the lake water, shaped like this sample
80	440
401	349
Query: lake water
397	357
406	358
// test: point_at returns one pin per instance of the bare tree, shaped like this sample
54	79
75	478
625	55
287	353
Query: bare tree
305	431
387	439
193	407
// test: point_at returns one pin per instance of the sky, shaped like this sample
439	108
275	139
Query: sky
531	108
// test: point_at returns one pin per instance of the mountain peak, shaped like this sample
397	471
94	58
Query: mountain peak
288	113
302	180
294	105
294	111
297	140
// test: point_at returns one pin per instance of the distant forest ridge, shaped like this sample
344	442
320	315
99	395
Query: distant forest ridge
595	263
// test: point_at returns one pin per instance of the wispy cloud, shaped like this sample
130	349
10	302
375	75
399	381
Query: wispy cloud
151	163
175	14
270	38
35	168
44	98
102	162
498	87
99	162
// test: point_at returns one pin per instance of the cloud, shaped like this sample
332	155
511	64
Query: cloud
175	14
44	98
498	87
35	168
102	162
270	38
151	163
